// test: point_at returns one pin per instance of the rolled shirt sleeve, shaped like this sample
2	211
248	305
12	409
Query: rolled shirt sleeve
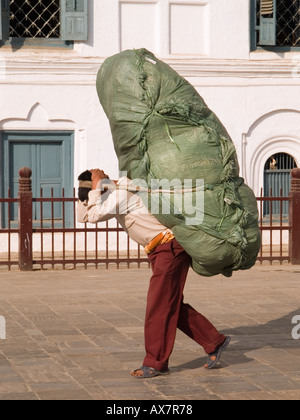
102	205
126	207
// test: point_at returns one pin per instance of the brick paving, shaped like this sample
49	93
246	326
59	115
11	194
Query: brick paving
77	334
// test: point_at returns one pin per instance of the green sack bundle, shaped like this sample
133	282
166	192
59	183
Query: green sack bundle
165	135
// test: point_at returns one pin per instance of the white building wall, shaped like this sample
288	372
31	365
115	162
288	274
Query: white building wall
206	41
255	94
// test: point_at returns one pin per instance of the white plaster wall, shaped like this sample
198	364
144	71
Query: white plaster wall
230	35
260	121
208	42
215	28
75	108
255	94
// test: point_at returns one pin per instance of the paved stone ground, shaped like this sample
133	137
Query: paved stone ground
77	334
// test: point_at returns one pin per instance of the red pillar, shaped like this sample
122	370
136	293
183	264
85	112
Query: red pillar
25	220
294	214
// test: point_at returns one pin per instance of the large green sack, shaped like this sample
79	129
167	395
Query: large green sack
163	130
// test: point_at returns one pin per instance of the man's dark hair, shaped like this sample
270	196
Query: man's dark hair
85	185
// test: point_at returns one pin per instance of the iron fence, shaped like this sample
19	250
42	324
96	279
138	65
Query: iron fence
57	243
8	258
274	223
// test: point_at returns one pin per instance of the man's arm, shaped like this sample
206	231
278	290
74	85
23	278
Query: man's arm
102	205
86	211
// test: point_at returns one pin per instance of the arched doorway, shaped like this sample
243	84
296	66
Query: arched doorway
277	180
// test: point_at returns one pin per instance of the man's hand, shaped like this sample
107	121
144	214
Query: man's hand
97	176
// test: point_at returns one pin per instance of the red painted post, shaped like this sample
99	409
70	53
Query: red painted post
294	215
25	220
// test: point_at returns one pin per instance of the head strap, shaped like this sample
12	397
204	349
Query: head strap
85	184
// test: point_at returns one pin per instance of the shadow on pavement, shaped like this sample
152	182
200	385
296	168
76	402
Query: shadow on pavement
275	334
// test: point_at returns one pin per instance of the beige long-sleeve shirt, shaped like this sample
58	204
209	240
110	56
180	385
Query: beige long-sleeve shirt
126	207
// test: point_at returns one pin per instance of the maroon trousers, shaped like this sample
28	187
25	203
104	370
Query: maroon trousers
166	311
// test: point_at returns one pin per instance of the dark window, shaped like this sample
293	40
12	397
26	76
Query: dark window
288	22
278	23
62	20
35	18
280	161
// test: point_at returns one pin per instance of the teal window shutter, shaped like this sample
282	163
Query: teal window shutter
74	20
268	22
4	20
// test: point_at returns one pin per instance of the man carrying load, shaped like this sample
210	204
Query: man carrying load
165	310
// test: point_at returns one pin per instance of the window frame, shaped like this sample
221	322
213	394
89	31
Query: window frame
17	43
74	26
253	36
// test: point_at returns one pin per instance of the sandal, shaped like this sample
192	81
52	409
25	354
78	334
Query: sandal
214	357
149	372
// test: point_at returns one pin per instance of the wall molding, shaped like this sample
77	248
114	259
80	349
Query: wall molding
217	72
36	119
